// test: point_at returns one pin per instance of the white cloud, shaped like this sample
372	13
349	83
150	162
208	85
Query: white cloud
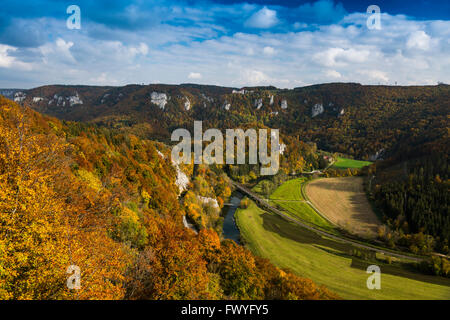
269	51
376	75
333	74
8	61
141	49
103	79
254	77
419	40
339	56
263	19
194	75
404	51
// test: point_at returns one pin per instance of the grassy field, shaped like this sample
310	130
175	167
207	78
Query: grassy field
343	202
344	163
327	261
289	197
290	190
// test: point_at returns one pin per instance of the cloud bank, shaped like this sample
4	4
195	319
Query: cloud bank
235	45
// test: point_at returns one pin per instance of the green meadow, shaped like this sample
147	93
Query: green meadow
328	262
344	163
289	197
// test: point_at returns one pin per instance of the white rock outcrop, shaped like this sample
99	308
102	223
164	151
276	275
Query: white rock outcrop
258	104
211	201
189	225
73	100
160	154
209	99
19	96
182	180
271	100
282	148
37	99
342	112
226	106
106	95
62	101
187	105
160	99
317	109
284	104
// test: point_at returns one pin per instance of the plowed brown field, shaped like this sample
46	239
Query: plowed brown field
343	202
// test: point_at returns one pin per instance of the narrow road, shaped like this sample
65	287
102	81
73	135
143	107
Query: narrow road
263	203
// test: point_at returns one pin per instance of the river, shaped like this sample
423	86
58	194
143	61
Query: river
230	230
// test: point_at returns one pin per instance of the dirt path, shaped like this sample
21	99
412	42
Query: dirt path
344	202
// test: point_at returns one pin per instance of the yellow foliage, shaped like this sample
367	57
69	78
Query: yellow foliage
91	179
44	230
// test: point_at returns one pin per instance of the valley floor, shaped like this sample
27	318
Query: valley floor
327	261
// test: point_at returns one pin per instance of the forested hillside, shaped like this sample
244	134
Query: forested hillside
367	122
414	196
405	126
107	201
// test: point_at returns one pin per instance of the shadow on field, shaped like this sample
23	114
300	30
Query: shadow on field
404	271
292	231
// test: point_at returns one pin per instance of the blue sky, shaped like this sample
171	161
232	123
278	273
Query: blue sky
223	42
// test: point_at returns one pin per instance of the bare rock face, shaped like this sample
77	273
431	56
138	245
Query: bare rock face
317	109
342	112
226	106
160	99
104	98
73	100
37	99
187	105
271	100
19	96
182	180
284	104
258	104
208	99
209	201
61	101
